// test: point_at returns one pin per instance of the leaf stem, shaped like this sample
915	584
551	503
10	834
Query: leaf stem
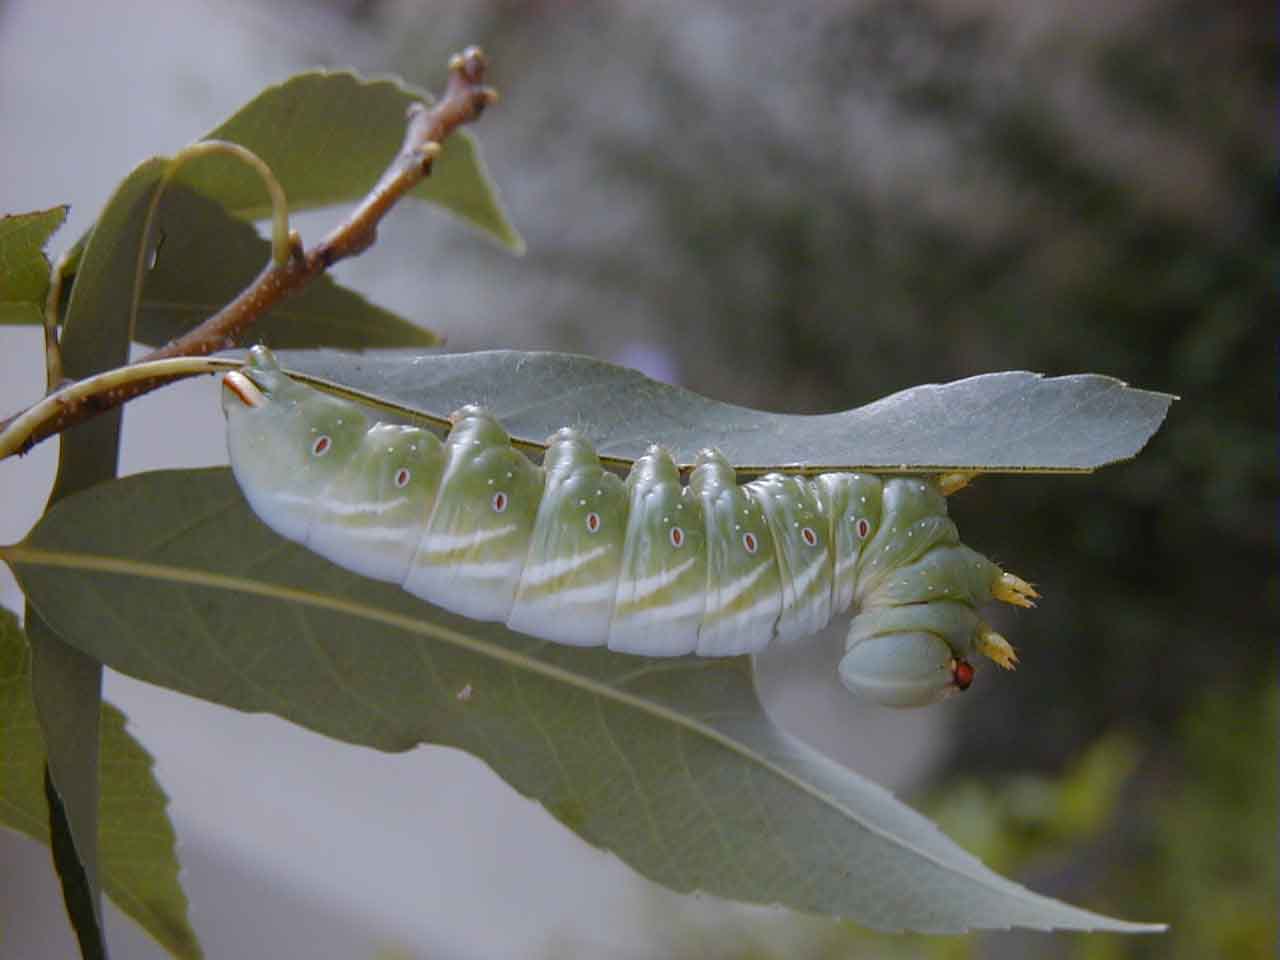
97	393
280	247
52	349
465	98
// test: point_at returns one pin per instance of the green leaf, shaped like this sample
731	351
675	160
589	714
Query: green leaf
103	303
206	257
66	688
139	863
66	684
78	893
1011	422
24	267
328	137
671	764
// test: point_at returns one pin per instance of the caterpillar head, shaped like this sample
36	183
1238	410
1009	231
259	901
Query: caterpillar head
904	670
287	443
911	655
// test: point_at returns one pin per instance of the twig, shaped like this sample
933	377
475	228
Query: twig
464	99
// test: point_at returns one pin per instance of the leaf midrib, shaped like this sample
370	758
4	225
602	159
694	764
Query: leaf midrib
20	554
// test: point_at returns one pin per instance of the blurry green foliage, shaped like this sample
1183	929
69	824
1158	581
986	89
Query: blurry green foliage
1191	824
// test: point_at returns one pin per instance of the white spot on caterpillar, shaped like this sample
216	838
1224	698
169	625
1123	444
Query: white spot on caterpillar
321	446
499	502
402	477
582	503
464	695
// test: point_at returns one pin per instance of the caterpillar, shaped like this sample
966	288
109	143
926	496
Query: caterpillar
568	551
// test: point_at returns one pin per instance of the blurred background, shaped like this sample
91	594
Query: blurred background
801	208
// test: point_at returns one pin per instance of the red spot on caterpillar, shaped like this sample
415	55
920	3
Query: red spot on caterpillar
593	522
961	674
863	527
402	477
749	542
499	502
677	537
809	537
321	446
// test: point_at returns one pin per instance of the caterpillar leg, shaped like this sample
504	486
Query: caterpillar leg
1012	589
949	483
995	647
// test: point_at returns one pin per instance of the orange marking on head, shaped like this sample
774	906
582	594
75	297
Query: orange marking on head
245	390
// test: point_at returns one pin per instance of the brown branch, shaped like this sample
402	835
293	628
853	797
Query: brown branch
465	98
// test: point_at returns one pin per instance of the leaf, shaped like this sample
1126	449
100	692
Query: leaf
1011	422
671	764
139	860
206	257
67	685
78	893
328	136
66	689
24	267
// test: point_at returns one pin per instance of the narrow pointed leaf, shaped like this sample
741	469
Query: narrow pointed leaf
206	257
66	683
671	764
66	688
139	863
1014	422
328	136
77	892
24	266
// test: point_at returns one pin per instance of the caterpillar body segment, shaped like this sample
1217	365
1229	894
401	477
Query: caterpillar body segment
569	552
379	505
661	591
569	580
744	589
476	542
802	539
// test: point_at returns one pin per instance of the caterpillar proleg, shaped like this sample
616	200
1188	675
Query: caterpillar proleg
569	552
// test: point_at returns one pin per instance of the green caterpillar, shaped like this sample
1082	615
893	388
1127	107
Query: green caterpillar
569	552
